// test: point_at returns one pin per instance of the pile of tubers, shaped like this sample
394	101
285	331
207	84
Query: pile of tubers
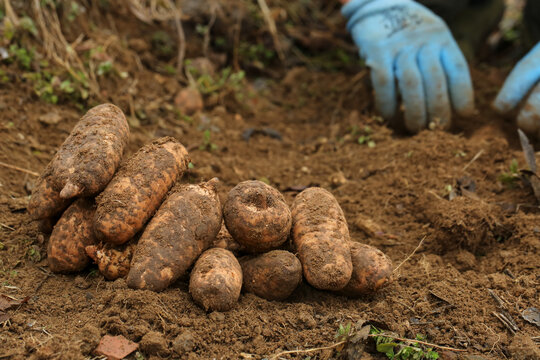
135	220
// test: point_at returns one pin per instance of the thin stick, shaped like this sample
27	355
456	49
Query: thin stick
478	154
13	167
181	37
408	257
307	350
272	27
417	341
7	227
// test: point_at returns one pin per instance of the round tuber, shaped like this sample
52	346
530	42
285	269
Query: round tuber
257	216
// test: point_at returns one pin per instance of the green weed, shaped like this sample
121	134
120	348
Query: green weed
398	350
512	176
207	143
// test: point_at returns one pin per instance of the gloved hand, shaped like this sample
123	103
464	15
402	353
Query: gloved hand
524	77
404	40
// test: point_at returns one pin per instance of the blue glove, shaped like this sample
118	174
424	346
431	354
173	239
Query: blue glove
524	77
404	40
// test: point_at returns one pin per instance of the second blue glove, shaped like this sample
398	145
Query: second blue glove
404	41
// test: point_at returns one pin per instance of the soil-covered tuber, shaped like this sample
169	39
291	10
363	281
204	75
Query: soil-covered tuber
89	157
257	216
321	237
216	280
113	262
273	275
71	234
138	189
184	226
372	270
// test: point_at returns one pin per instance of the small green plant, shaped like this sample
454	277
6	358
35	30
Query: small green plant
400	350
22	56
258	54
510	178
226	80
365	137
34	254
344	332
207	143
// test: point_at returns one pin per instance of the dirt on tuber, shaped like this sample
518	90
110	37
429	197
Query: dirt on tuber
70	236
184	226
216	280
257	216
321	237
372	270
273	275
113	262
87	160
138	189
45	202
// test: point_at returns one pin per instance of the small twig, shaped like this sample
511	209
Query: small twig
416	341
13	167
478	154
496	298
181	37
272	27
7	227
414	251
307	350
506	322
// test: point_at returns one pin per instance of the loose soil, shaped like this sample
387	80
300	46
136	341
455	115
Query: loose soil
489	240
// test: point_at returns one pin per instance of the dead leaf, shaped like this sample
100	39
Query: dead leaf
532	315
528	151
115	347
7	302
3	317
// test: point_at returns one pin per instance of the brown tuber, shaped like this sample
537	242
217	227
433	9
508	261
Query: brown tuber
257	216
138	189
71	234
113	262
216	280
184	226
372	270
89	157
273	275
45	202
321	237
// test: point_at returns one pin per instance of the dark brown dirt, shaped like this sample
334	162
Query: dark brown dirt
472	244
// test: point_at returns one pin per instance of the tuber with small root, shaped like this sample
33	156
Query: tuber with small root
321	237
216	280
70	236
372	270
184	226
273	275
113	262
89	157
257	216
138	189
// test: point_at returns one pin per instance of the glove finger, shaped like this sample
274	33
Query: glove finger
412	90
382	79
438	103
529	118
525	74
459	79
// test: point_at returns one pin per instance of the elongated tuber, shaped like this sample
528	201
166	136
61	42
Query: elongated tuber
184	226
321	237
138	189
